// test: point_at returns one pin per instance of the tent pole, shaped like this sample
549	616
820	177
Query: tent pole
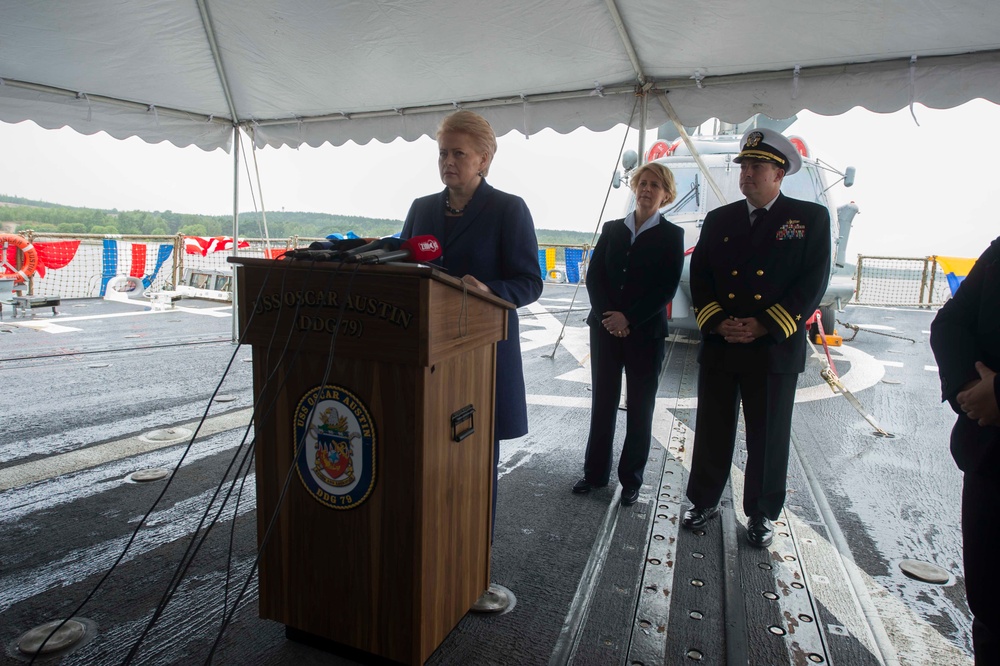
236	227
669	108
643	116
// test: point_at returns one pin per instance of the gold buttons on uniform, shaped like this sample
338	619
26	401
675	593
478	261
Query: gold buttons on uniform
756	297
736	272
760	272
726	239
732	295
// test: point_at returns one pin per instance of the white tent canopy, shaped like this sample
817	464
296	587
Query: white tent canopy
315	71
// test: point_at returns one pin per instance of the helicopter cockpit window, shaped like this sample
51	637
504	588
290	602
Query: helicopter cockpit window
689	191
804	185
694	195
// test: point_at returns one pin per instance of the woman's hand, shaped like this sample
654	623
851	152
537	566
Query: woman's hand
616	324
469	280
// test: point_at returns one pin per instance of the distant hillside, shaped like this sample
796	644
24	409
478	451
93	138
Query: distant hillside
49	217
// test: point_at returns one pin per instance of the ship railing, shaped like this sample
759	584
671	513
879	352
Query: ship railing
900	281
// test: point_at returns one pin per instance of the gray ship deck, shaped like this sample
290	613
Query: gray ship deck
594	583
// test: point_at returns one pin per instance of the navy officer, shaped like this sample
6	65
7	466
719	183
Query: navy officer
758	272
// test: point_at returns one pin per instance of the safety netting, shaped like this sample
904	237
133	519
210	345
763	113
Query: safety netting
85	266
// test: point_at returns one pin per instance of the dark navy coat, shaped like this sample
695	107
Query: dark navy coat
494	241
637	280
777	274
965	330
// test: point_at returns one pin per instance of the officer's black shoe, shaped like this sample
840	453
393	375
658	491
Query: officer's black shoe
629	496
696	518
584	486
760	532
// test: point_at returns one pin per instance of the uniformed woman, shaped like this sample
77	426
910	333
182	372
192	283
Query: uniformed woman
632	276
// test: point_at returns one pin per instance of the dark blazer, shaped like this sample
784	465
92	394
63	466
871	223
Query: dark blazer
965	330
637	280
494	241
777	274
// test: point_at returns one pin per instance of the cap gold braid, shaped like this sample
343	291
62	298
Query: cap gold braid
762	155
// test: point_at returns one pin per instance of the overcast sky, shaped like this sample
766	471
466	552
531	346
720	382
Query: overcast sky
921	190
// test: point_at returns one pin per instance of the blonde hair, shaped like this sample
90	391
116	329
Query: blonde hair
665	175
477	128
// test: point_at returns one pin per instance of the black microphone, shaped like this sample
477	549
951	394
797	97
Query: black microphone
337	244
327	250
419	249
387	243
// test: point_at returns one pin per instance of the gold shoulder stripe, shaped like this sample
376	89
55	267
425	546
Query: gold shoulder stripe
789	318
707	313
780	315
781	323
789	322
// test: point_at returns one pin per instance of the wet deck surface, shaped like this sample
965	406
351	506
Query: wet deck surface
595	583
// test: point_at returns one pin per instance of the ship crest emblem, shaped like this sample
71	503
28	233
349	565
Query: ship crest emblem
335	436
333	462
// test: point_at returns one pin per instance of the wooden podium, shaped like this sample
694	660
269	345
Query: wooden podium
382	540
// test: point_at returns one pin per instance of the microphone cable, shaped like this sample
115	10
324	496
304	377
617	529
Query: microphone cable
188	556
200	535
145	517
291	470
201	532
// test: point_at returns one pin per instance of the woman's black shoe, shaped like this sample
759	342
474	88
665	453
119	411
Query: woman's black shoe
629	496
584	486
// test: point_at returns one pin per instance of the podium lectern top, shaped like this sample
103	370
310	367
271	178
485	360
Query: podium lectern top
403	313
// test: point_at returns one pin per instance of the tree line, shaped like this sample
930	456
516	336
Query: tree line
47	217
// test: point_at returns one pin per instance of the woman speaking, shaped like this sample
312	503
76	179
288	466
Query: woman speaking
488	240
632	276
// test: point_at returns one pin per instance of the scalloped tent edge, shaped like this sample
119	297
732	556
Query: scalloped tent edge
295	72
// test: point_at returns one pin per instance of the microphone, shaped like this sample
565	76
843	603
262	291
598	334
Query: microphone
325	250
418	249
388	244
337	244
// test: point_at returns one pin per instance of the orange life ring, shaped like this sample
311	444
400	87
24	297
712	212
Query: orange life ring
658	150
30	257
